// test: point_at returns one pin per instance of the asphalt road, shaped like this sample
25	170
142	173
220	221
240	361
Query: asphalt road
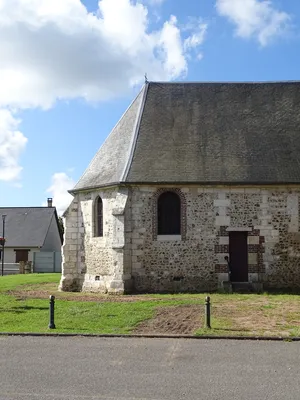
46	368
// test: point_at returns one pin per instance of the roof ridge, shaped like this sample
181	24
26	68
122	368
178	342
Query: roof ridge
136	130
222	82
42	207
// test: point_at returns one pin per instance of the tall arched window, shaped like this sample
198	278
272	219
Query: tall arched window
98	217
168	214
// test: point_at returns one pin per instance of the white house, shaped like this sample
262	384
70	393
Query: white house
32	230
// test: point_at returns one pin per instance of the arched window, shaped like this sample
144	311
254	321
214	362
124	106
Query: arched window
98	217
169	214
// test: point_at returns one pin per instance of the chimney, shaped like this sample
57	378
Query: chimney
49	201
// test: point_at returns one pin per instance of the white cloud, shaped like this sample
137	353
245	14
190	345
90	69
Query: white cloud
254	18
197	30
195	40
171	47
54	49
12	144
60	184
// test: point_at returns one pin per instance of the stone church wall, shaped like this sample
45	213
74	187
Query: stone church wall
196	261
93	263
73	248
130	255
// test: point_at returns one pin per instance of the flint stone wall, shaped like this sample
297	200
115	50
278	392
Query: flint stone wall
130	255
195	262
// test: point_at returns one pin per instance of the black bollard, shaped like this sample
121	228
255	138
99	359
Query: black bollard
207	312
51	309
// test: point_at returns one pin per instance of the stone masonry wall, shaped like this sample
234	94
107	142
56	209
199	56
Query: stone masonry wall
72	265
95	263
195	262
130	255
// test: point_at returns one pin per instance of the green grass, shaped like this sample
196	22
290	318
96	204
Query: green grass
11	282
234	314
79	317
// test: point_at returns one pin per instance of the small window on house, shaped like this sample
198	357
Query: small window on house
169	214
21	255
99	217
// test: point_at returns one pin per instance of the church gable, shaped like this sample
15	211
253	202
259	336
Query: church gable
109	164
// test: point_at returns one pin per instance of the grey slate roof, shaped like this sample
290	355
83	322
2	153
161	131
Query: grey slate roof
109	163
204	133
26	226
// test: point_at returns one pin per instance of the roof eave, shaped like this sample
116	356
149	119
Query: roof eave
179	183
73	192
214	183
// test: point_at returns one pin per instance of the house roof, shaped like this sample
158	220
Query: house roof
26	226
230	133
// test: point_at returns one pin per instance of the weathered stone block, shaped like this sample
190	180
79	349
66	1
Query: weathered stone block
252	258
70	283
222	221
222	203
221	258
224	240
253	240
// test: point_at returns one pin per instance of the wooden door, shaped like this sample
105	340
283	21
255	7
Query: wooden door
21	255
238	256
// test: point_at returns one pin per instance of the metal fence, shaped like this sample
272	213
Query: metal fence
47	261
11	268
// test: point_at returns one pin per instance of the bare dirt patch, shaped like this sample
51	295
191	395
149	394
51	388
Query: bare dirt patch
44	290
261	317
36	292
173	320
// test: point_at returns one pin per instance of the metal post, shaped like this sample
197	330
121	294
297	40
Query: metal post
51	309
3	242
207	312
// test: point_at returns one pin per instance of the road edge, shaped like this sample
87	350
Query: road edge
153	336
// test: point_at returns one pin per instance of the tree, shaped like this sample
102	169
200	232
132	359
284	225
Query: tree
61	226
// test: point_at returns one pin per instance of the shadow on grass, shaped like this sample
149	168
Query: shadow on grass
23	309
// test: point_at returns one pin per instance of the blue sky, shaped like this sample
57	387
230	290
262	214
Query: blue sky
69	69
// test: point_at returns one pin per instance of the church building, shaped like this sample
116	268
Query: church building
195	189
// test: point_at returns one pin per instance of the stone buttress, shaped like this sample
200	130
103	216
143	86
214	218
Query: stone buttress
92	263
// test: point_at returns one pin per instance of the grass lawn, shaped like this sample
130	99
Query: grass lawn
24	307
